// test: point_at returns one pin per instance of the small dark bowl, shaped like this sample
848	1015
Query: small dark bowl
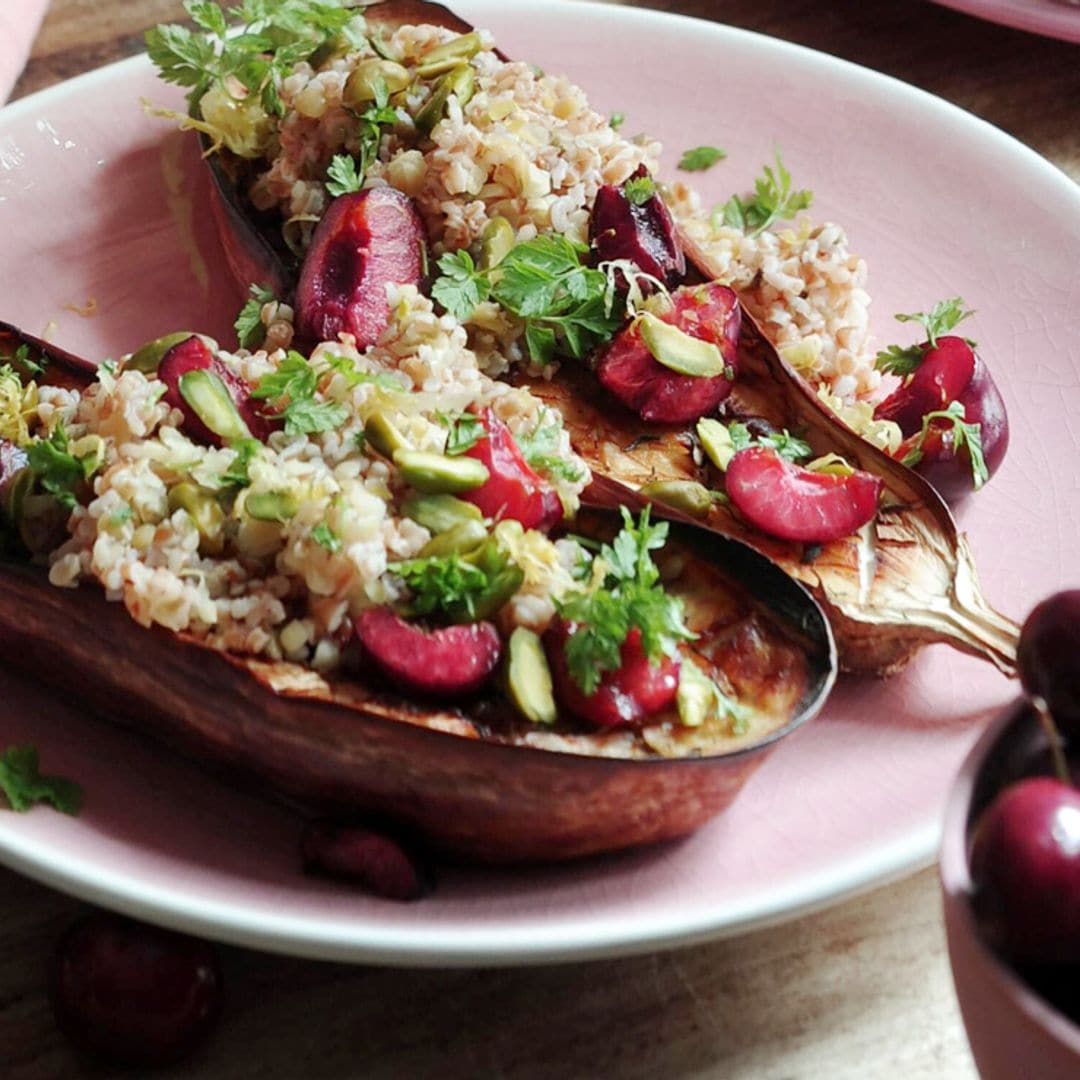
1013	1030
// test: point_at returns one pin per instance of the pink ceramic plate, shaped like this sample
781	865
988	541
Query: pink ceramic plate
98	202
1052	18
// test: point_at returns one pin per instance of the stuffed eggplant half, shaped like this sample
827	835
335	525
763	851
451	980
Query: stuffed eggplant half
717	364
364	579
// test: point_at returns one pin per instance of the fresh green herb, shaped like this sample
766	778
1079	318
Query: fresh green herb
342	177
373	121
701	158
58	470
788	446
24	786
964	434
360	441
616	120
630	595
541	451
465	431
22	357
943	317
773	201
323	535
441	582
237	474
562	302
275	36
639	189
108	365
291	390
462	287
250	331
119	516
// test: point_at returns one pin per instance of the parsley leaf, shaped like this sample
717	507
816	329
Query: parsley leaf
58	470
773	201
616	120
342	177
963	434
323	535
700	158
462	288
250	331
291	389
22	357
465	431
897	360
942	318
639	189
785	444
630	595
24	786
440	582
541	451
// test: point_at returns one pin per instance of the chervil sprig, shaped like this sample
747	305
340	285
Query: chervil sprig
773	201
963	434
291	390
629	595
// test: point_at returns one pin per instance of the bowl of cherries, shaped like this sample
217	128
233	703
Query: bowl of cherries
1010	864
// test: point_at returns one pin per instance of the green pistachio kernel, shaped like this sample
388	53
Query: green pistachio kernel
679	351
528	678
438	474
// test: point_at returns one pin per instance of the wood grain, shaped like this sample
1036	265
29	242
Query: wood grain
860	990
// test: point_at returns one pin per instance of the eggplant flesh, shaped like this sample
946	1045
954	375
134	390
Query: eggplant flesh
906	581
473	780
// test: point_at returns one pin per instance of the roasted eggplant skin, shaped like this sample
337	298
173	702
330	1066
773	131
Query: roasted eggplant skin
344	747
909	582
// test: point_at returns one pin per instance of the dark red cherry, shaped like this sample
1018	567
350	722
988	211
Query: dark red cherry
655	392
451	661
1025	868
642	232
513	489
626	697
793	503
366	240
131	993
371	858
1048	657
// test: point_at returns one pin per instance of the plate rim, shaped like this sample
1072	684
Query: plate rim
480	945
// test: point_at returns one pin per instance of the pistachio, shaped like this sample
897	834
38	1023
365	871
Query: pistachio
696	697
380	432
504	579
448	55
370	77
437	513
89	451
271	505
716	441
528	678
679	351
146	358
686	495
496	242
460	82
438	474
213	404
460	539
205	511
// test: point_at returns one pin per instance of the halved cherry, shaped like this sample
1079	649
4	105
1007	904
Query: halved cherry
641	231
193	354
366	240
626	697
628	369
451	661
942	376
513	489
793	503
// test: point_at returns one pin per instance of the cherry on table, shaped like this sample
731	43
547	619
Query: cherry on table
131	993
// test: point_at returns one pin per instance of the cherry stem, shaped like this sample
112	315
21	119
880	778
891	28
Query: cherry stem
1053	737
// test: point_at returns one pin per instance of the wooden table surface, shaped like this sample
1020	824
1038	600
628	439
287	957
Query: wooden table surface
860	990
